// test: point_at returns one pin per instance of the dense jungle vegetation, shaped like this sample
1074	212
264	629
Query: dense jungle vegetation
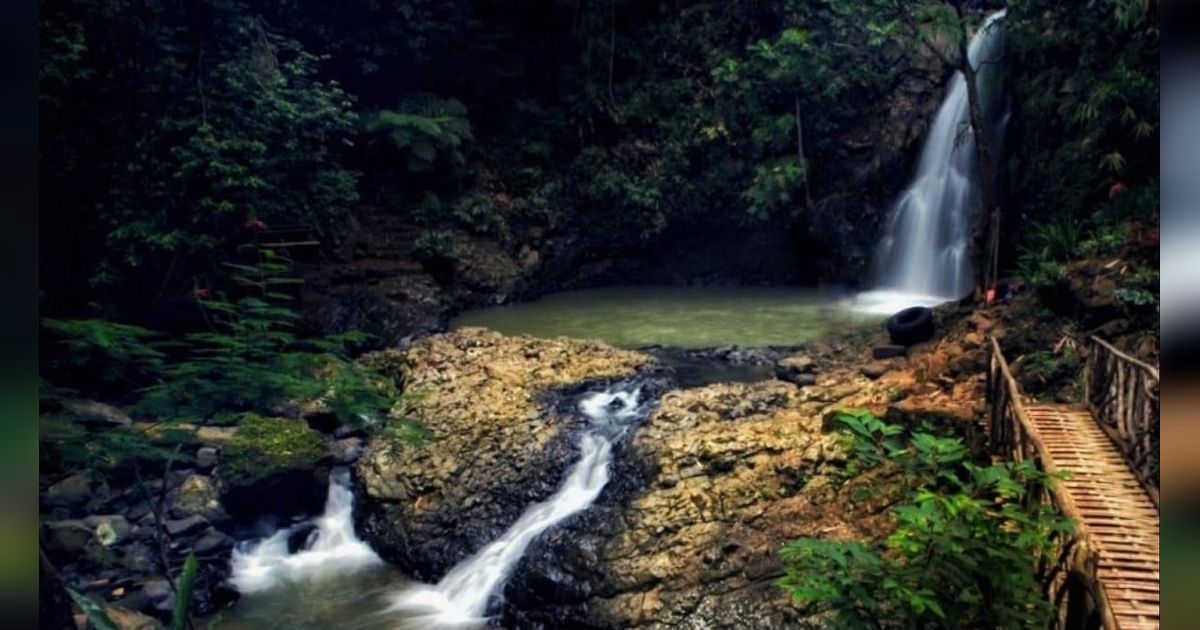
181	140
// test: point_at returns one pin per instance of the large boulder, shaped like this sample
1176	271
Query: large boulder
495	446
722	477
687	530
269	466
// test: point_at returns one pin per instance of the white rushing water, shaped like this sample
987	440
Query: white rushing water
461	598
924	256
333	547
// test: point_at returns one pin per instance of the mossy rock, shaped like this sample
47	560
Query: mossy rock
265	446
273	465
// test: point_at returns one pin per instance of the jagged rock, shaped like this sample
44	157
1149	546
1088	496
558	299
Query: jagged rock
65	540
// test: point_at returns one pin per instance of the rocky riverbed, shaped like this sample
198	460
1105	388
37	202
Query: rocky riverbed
703	494
703	491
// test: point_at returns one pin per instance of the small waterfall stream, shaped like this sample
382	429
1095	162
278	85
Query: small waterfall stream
924	256
461	598
332	547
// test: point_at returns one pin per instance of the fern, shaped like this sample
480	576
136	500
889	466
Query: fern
425	128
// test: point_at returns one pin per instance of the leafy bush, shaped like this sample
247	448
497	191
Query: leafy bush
435	246
252	359
65	446
1044	371
425	128
963	550
91	354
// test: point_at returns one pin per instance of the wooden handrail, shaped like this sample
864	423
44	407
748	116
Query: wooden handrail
1150	369
1123	396
1014	435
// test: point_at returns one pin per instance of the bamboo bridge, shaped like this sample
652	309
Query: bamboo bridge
1104	456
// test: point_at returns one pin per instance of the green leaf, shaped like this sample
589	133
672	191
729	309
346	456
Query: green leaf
93	611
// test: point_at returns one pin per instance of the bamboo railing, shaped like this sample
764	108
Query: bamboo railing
1014	436
1123	396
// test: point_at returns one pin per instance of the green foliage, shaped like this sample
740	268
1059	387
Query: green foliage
1044	371
425	128
435	246
1084	77
215	118
64	446
93	611
1136	297
183	595
263	446
964	546
93	353
252	359
1047	245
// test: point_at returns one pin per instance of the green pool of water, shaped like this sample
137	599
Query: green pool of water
679	317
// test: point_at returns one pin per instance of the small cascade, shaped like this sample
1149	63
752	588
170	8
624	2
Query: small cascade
331	548
924	256
461	598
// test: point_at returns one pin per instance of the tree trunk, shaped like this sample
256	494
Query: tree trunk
800	155
979	229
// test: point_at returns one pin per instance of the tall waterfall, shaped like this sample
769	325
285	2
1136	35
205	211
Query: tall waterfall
924	256
461	598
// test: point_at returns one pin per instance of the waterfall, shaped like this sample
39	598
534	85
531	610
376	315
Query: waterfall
924	256
332	547
461	598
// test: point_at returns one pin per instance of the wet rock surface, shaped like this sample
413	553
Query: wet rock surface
499	443
702	495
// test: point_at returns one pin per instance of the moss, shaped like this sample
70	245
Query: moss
264	446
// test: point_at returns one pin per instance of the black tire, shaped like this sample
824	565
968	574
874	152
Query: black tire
912	325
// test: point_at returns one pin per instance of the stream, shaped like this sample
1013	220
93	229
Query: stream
334	579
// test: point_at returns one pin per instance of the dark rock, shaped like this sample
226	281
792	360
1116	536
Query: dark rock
212	542
95	415
72	493
301	537
156	595
804	380
873	370
798	369
206	458
323	420
346	450
197	496
185	526
138	557
888	351
65	540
